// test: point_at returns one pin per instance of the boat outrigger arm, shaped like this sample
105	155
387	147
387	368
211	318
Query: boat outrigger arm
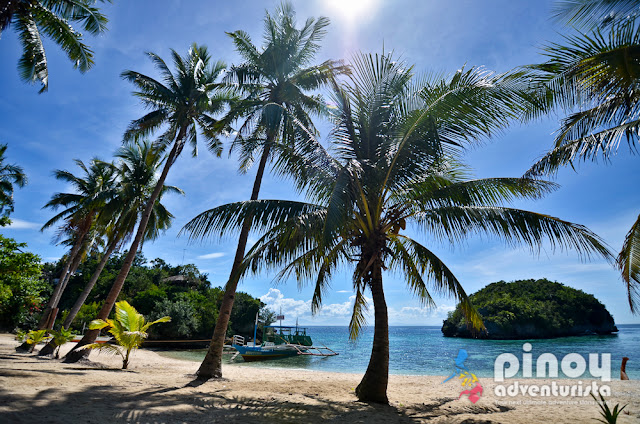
320	351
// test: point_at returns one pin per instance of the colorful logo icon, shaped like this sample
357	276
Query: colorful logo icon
468	378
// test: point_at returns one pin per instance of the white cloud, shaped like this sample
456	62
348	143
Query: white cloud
417	315
276	301
290	307
344	291
340	313
214	255
19	224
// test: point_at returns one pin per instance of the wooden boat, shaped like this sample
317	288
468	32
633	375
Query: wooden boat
279	341
266	350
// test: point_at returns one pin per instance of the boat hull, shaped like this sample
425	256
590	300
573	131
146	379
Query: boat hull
265	357
260	353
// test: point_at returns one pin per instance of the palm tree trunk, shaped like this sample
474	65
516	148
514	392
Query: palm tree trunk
211	366
87	289
52	305
50	347
90	336
373	387
64	278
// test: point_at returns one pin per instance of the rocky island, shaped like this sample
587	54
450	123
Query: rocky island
532	309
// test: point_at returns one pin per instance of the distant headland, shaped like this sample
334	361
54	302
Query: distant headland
532	309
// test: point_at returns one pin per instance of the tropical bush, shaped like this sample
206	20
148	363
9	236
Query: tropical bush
184	322
85	315
21	289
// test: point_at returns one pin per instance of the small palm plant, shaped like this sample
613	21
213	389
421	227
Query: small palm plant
610	416
61	337
34	337
129	329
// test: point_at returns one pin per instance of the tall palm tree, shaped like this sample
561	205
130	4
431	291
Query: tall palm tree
80	210
10	174
187	100
137	169
595	78
393	166
278	81
34	18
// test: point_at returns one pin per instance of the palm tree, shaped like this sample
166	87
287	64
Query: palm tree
139	163
594	77
33	18
9	175
277	81
80	210
393	166
129	329
188	100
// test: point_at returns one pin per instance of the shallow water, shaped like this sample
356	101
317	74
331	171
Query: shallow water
424	351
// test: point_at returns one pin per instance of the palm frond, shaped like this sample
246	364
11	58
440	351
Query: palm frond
629	263
64	36
415	260
261	214
107	348
33	63
514	226
358	316
159	320
591	13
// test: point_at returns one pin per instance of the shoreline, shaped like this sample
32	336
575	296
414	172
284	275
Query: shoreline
157	389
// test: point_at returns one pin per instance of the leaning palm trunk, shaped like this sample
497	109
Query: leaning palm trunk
51	346
90	336
90	285
373	387
64	278
211	366
57	293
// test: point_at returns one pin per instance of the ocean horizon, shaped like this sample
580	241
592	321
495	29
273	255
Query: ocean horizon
423	350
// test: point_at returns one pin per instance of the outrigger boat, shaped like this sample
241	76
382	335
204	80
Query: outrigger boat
278	341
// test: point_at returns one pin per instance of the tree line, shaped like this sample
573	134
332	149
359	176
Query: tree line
154	288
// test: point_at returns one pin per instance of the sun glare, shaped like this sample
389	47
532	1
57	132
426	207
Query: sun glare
353	9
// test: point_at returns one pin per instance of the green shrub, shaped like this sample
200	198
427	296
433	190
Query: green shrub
184	322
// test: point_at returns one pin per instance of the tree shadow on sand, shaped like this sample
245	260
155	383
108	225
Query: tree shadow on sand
101	404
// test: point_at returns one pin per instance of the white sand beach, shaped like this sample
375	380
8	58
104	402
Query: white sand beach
157	389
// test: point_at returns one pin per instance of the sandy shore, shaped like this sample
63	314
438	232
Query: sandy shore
156	390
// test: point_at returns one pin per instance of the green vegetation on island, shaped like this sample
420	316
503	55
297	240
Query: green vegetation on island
532	309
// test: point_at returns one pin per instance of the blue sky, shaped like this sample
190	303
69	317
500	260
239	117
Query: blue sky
84	116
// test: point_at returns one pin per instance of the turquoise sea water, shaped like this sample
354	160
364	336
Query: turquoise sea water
424	351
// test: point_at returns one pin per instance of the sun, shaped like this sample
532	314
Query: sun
353	9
